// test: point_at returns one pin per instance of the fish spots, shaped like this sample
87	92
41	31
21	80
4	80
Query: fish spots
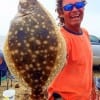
34	48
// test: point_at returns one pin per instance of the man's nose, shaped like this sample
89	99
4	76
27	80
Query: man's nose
74	8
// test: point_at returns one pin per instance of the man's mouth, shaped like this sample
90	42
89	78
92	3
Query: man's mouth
75	16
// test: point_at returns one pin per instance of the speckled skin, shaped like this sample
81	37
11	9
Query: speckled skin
34	49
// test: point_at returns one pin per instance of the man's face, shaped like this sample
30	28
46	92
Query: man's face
73	17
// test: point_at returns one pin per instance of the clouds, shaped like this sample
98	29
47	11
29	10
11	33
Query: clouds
92	14
92	17
92	23
8	9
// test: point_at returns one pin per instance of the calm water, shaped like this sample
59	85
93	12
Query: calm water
2	39
96	68
96	71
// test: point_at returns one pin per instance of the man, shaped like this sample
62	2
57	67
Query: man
74	82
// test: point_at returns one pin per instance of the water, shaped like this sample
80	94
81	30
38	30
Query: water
96	70
2	39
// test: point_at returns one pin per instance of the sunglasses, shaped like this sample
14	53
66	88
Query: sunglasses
78	5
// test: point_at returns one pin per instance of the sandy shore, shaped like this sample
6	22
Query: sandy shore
22	92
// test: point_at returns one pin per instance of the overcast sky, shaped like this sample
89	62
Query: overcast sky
8	9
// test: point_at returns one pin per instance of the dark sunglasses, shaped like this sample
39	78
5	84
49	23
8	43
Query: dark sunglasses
78	5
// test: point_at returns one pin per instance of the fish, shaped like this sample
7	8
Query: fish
34	49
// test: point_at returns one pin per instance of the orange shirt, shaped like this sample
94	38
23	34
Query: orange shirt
74	82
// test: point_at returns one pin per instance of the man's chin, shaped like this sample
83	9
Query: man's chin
76	24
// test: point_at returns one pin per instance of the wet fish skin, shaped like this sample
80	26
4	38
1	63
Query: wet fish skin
34	49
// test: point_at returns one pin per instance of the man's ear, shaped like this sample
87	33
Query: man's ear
61	14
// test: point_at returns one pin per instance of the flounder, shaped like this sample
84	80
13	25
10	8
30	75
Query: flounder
34	48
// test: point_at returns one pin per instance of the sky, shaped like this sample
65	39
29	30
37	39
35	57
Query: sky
91	21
